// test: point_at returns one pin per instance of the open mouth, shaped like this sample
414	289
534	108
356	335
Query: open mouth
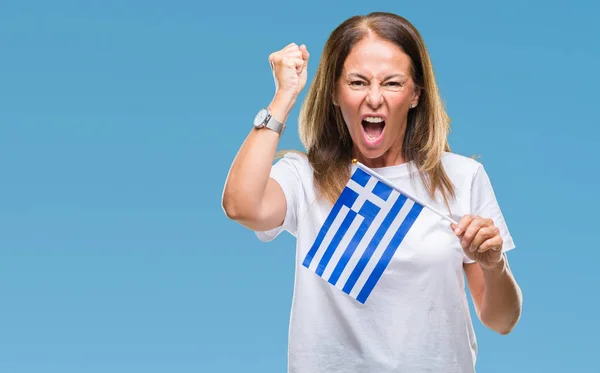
373	128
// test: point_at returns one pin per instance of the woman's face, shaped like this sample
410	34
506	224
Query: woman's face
374	93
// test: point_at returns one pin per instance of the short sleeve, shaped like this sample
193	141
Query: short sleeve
288	172
484	204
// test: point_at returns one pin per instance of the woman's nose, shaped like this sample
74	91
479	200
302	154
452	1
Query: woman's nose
374	97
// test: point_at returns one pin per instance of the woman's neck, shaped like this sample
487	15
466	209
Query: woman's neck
392	157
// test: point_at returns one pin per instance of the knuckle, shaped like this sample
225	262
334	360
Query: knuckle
481	234
479	241
296	54
289	47
488	231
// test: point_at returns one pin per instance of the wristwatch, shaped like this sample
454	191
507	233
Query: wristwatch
264	119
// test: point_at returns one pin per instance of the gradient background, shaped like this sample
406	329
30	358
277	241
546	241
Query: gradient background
118	123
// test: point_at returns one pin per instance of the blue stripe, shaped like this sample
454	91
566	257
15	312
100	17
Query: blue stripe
382	191
368	211
335	241
347	198
389	252
361	177
385	225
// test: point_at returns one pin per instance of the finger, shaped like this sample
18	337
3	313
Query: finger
494	243
278	55
274	58
463	223
305	54
293	53
300	64
454	227
484	233
296	63
471	232
290	46
279	59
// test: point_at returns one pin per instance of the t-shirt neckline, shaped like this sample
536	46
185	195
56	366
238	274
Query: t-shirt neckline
399	170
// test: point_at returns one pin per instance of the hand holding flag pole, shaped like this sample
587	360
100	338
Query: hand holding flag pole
479	244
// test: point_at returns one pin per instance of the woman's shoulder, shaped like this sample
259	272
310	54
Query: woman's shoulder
459	166
461	160
296	162
294	158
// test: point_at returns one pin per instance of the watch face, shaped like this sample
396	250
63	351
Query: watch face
260	118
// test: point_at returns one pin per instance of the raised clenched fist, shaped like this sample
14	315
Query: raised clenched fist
289	67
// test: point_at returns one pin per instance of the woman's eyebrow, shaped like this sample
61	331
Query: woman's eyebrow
365	78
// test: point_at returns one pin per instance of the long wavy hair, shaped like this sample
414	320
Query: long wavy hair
323	131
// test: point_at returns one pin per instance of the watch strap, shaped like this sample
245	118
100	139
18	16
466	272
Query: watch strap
275	125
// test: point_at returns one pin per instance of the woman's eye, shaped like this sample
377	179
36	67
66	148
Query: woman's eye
394	84
357	83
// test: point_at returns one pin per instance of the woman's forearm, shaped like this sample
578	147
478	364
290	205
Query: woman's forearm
249	172
502	298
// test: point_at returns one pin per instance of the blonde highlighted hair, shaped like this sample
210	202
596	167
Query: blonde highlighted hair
323	131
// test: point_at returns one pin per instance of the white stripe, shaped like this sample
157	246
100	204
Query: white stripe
360	249
335	258
385	241
335	226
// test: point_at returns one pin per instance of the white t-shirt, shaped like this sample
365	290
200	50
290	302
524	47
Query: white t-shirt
417	316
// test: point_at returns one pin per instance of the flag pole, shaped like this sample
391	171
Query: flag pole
391	185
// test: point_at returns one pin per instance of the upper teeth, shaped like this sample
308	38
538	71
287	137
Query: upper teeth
374	119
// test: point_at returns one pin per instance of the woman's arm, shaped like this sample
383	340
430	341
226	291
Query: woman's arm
250	196
496	295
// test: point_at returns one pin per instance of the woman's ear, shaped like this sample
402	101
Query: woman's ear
416	95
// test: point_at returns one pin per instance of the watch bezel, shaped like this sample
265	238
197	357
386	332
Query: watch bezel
264	113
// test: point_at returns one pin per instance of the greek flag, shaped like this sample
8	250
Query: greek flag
361	234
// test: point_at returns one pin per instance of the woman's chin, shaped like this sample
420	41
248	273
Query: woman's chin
370	151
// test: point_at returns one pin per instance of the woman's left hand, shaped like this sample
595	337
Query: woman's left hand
480	240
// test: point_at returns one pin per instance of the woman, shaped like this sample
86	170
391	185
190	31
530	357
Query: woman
374	99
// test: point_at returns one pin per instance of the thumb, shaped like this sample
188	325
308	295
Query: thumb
304	51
